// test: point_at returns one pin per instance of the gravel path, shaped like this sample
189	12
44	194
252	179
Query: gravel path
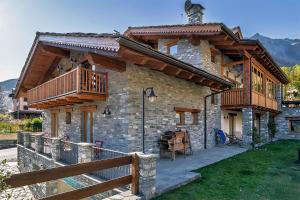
21	193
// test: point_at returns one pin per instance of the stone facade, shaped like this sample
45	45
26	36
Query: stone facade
247	120
122	129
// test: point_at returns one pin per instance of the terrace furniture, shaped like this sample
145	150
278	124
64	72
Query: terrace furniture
97	150
173	142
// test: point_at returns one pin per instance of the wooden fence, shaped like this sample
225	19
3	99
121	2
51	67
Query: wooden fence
29	178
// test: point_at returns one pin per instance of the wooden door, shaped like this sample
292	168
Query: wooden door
87	127
54	125
232	123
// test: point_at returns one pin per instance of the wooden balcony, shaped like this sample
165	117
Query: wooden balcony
235	99
76	86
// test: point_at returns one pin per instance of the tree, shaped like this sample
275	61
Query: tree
3	107
292	90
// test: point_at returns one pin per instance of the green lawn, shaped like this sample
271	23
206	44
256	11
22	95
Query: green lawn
266	173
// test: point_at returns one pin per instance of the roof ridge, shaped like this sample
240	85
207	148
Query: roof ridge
174	25
79	34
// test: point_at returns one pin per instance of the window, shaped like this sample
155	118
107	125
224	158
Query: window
214	100
25	107
173	49
25	99
68	117
257	81
186	116
271	89
180	118
295	126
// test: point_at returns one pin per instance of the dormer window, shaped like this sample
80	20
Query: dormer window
172	47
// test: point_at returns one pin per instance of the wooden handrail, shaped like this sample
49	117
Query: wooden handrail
92	190
233	97
29	178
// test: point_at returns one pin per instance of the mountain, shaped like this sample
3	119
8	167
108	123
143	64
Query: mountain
7	86
286	52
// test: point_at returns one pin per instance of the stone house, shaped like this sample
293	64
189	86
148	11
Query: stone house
90	86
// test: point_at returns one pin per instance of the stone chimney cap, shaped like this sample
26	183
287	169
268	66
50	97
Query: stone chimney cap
188	5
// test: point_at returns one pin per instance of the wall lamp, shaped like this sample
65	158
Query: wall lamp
149	92
106	111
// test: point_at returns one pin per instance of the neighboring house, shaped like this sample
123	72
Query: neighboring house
76	77
21	109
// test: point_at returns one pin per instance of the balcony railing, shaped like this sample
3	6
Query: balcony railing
76	81
235	97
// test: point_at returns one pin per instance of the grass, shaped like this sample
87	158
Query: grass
266	173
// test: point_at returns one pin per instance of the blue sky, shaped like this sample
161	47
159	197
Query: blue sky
20	19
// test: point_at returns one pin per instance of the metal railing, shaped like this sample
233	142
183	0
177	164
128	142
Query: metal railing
108	174
46	141
68	152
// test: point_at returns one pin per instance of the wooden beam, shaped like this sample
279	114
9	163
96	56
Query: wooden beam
54	51
181	109
233	63
106	62
51	68
237	47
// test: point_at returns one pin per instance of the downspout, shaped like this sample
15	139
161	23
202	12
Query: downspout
205	114
253	145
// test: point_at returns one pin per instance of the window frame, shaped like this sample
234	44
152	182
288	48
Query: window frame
68	119
290	125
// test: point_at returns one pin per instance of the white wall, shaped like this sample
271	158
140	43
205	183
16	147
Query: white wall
238	122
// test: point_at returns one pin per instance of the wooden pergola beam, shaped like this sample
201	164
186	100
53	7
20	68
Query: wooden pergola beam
54	51
106	62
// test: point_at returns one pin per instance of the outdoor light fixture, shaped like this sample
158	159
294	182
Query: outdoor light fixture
149	92
106	111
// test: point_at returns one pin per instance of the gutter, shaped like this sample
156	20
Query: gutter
171	60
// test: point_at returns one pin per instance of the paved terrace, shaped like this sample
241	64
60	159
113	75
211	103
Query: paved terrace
173	174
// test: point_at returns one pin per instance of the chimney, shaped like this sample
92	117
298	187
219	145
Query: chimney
194	12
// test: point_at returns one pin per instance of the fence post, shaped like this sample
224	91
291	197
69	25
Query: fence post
55	148
20	139
26	139
39	145
146	170
85	153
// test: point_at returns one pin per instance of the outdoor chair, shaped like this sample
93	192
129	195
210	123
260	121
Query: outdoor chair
97	150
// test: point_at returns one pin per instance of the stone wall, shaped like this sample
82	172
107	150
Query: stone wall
264	130
282	123
160	115
197	55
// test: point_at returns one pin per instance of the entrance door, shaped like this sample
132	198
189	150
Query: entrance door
232	124
87	127
54	125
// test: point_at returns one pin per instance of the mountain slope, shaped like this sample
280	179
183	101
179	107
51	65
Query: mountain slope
286	52
7	86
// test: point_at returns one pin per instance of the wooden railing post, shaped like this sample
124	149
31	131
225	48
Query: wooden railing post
135	174
145	173
78	79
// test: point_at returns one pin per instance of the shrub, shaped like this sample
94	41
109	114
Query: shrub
36	124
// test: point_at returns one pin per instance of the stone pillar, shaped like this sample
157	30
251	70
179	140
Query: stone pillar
26	140
39	145
55	148
20	139
85	153
247	120
264	129
147	174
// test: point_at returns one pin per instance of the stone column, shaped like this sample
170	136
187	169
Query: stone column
55	148
39	145
147	174
279	96
264	129
20	139
26	139
247	120
85	153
